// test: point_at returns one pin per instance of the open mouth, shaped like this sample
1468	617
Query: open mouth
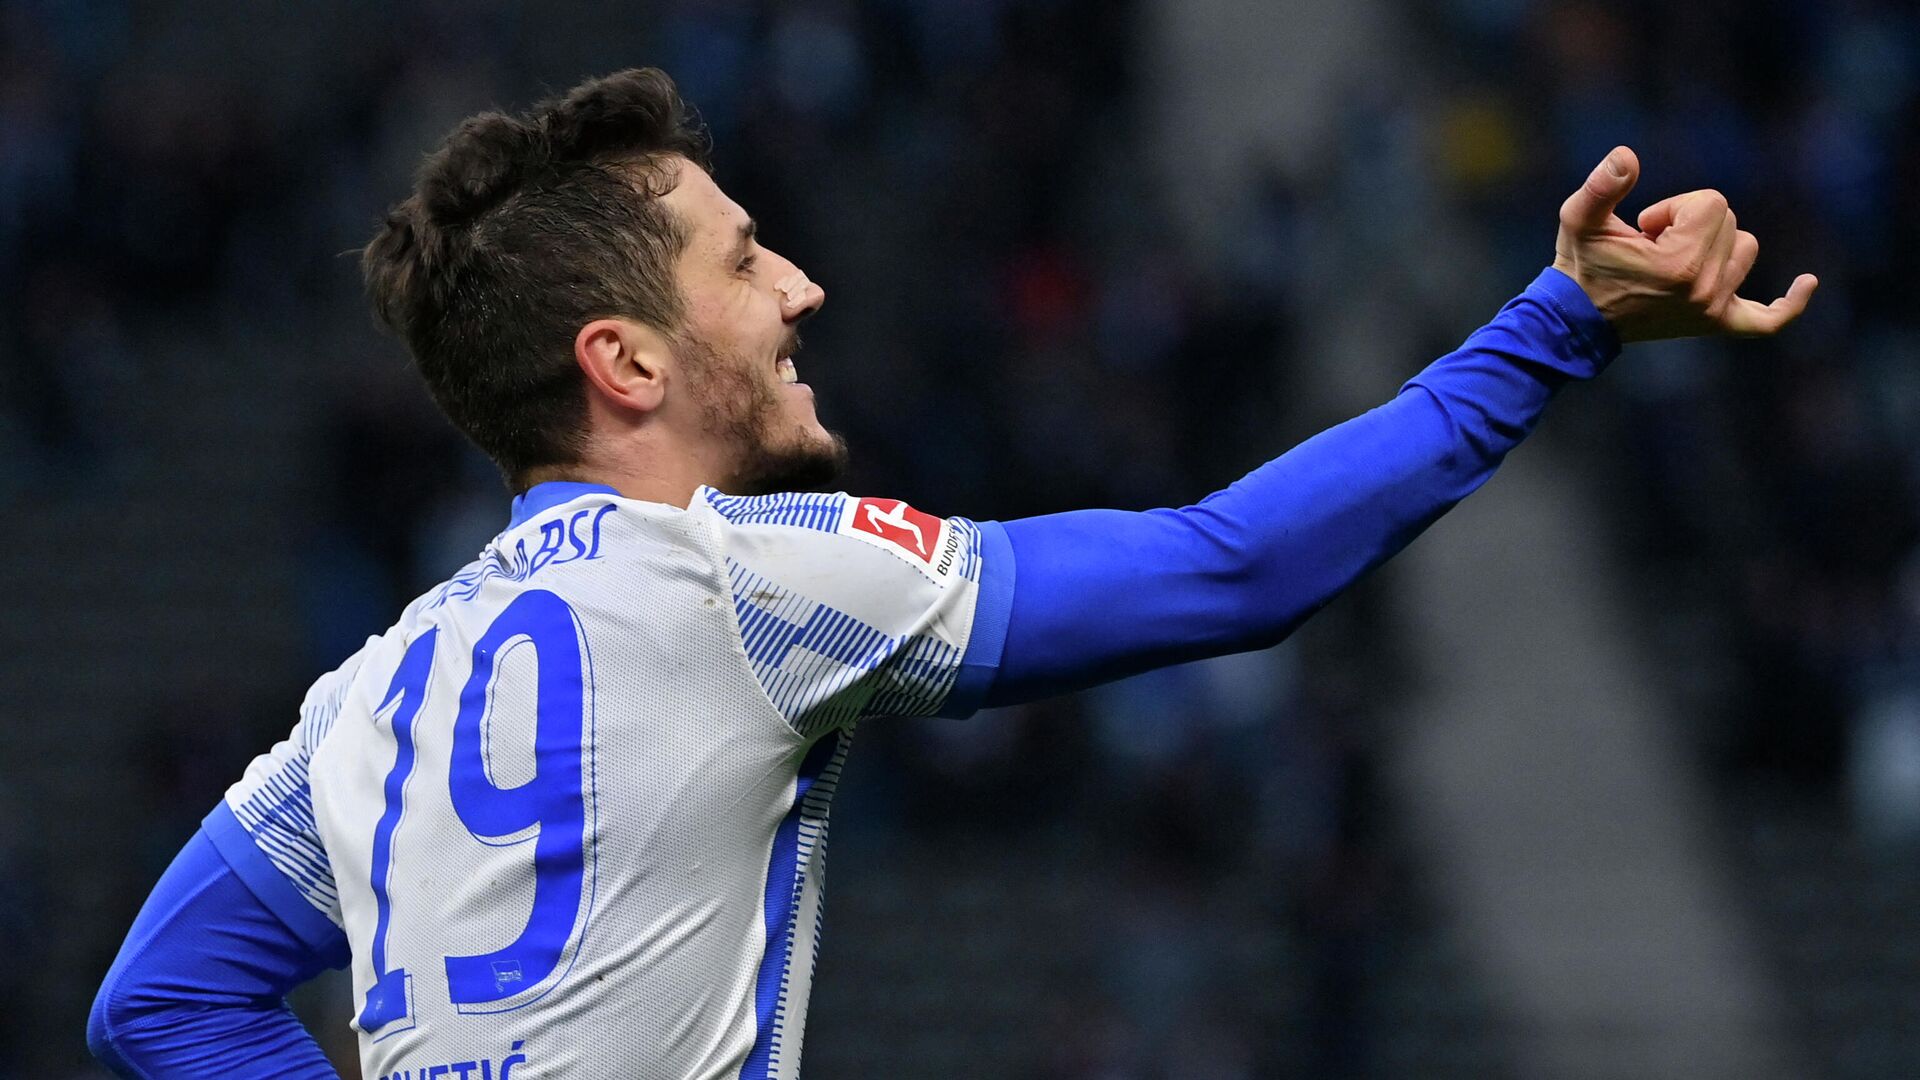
783	364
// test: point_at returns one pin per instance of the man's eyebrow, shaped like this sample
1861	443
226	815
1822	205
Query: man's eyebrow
748	230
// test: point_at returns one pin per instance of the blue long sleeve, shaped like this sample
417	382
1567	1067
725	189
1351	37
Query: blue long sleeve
1105	593
199	987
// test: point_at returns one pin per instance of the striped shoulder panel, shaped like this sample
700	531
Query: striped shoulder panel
274	801
324	702
806	510
970	547
278	814
825	669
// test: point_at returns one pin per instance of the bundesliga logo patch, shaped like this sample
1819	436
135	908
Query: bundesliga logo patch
899	526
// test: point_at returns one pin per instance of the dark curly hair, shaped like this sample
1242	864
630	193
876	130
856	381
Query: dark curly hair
520	230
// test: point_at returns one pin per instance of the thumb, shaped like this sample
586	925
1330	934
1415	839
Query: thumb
1592	206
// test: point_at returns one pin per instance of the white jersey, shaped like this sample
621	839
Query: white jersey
571	810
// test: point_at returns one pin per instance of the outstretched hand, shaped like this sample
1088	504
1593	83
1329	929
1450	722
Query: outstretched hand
1678	274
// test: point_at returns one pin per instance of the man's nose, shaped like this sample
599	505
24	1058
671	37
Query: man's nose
799	296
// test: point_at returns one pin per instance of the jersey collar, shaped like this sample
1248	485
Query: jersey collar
543	497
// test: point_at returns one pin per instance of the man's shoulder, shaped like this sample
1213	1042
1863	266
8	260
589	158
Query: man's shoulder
850	533
816	511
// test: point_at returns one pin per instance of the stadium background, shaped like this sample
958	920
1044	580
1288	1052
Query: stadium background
1616	774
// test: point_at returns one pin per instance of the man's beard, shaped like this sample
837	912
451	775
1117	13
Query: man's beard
776	454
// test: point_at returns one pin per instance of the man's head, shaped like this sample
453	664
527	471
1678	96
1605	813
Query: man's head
576	291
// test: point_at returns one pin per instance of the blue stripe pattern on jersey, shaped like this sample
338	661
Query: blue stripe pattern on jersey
279	817
970	544
278	813
801	833
918	681
318	716
818	665
807	510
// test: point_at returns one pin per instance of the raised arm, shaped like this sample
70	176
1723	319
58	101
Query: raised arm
1102	593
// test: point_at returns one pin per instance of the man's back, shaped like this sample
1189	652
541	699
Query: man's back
572	807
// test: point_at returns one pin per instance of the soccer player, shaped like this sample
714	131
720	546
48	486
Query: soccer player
566	817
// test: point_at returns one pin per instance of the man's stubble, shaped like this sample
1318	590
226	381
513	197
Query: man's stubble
744	412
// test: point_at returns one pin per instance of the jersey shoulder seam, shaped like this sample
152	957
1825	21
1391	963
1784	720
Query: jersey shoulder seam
718	567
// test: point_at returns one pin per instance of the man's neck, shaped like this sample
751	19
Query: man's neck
673	485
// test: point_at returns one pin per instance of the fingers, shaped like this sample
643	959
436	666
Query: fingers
1655	219
1724	235
1701	213
1689	210
1592	206
1695	240
1679	274
1712	281
1746	248
1750	318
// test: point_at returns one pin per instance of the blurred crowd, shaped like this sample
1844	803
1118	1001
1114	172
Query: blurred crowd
1768	489
1014	329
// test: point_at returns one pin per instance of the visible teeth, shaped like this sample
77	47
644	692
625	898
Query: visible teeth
788	374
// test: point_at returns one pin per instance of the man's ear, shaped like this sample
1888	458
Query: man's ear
625	361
